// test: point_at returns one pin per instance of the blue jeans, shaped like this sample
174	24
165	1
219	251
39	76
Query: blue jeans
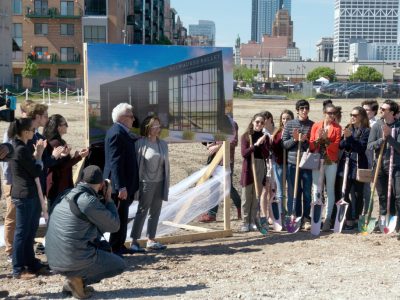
330	178
303	191
278	174
28	212
106	265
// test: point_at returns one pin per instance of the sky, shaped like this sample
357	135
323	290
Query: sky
312	19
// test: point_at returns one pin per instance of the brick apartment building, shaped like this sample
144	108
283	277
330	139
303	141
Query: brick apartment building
51	32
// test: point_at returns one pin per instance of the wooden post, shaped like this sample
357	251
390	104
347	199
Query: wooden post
227	185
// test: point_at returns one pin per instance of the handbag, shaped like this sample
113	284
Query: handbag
310	161
364	175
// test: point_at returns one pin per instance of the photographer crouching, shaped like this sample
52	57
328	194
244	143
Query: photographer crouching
73	246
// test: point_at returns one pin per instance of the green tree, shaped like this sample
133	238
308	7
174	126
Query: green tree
162	41
243	73
366	74
319	72
30	69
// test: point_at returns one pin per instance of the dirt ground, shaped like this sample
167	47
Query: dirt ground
247	265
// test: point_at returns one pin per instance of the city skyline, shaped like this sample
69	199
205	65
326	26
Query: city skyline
307	16
312	20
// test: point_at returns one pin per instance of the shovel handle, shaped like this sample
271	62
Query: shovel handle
253	169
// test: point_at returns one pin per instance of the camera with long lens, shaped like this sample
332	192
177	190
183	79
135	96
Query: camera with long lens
103	192
10	102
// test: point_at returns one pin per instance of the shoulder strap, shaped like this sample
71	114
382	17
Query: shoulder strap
73	205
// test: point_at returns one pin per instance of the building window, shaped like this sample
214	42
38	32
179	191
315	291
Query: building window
67	54
17	34
41	28
67	29
41	7
67	8
94	34
193	101
95	8
17	7
153	92
66	73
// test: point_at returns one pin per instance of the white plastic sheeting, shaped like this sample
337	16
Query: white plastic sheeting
186	202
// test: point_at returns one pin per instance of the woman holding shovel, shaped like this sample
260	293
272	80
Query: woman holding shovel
325	139
279	155
253	143
354	143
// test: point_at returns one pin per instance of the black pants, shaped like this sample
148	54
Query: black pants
382	186
237	201
117	239
359	197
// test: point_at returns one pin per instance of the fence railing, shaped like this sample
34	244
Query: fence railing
49	97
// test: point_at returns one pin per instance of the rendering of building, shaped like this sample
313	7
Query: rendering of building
375	21
263	15
6	44
188	95
325	49
204	28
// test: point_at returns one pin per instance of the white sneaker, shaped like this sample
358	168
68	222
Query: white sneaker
253	227
245	228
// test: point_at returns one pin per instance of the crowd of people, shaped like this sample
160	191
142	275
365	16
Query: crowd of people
38	167
275	151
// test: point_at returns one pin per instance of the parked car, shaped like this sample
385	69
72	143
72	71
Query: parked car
328	88
55	85
364	91
392	90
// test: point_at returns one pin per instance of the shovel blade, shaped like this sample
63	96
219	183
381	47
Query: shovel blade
276	215
365	228
391	225
340	216
262	225
316	219
293	224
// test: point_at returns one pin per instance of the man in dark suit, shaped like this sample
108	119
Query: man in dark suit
121	168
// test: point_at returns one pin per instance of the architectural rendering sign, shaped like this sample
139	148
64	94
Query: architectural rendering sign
188	88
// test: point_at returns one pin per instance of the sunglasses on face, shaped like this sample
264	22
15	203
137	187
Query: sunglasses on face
259	122
354	115
304	108
330	113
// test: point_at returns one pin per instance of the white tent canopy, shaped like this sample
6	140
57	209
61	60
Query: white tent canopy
323	80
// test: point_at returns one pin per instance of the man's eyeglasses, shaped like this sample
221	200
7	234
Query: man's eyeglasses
304	108
130	116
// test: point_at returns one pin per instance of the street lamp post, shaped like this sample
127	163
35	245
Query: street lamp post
383	68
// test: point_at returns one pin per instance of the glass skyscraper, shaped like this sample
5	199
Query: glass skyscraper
371	20
263	16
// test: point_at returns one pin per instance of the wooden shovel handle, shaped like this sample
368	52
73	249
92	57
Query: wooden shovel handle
253	169
296	177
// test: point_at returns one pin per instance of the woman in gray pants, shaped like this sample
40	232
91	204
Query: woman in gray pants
152	156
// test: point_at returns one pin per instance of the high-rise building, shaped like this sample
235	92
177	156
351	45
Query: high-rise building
204	28
375	21
263	16
283	26
149	19
6	44
325	49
